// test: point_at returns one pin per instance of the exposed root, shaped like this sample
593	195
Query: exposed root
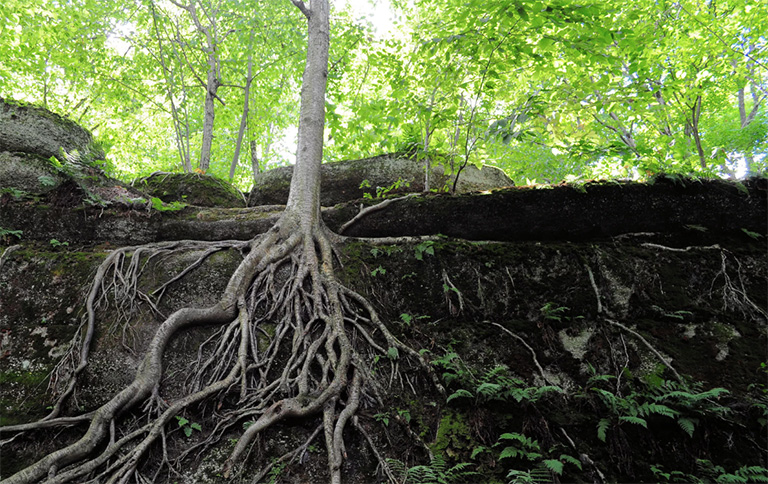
648	345
600	309
6	253
364	212
293	343
533	353
734	293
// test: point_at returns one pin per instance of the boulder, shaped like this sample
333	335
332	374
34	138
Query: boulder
28	173
30	129
192	189
382	175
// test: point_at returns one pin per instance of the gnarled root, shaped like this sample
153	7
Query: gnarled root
293	343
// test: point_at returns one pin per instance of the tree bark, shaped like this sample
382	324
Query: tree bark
243	119
304	197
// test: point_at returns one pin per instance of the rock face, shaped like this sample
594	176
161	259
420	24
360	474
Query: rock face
383	175
587	311
616	330
29	173
192	189
29	129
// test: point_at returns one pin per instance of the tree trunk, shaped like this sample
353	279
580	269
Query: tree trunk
695	114
243	119
304	196
208	117
255	164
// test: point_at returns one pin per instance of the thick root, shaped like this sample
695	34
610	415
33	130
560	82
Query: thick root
293	343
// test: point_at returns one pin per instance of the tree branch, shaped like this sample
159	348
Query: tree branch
302	6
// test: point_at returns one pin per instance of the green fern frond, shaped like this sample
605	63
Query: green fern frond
602	427
554	465
459	393
688	425
634	420
570	460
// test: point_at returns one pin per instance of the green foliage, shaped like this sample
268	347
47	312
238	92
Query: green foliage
382	192
751	234
494	385
553	312
7	234
407	319
655	397
161	206
437	472
426	247
56	244
46	180
707	473
186	426
378	271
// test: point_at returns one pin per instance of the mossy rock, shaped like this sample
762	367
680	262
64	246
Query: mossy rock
28	173
30	129
382	175
191	188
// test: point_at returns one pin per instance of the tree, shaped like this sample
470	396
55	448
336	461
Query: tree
329	331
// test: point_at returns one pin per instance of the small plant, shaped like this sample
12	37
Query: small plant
56	244
754	235
160	206
672	314
186	426
426	247
274	473
379	270
15	192
6	234
46	180
437	472
656	397
407	319
552	311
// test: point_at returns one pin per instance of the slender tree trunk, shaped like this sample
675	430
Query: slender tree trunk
208	118
695	114
304	197
746	120
243	119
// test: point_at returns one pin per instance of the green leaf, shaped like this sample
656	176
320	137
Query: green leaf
392	353
509	452
458	394
187	431
196	426
634	420
687	425
488	388
554	465
602	426
571	460
182	421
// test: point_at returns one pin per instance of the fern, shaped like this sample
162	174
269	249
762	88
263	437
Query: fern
602	427
634	420
555	466
569	459
648	409
538	475
488	389
459	393
434	473
687	424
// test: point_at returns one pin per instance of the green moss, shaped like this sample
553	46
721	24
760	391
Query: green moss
26	378
453	435
191	188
